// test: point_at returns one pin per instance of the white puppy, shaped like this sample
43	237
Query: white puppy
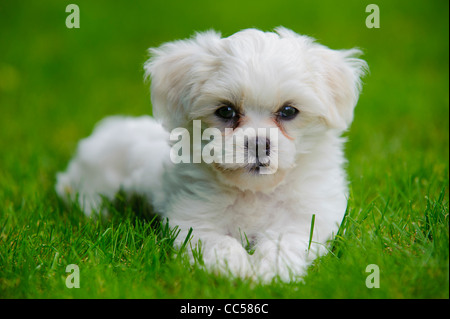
252	81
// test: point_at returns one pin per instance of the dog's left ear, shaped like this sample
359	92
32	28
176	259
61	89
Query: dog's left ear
342	72
339	74
177	69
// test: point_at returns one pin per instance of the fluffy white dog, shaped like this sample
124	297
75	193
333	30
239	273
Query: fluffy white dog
278	81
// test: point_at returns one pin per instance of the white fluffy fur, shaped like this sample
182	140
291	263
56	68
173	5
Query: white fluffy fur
259	71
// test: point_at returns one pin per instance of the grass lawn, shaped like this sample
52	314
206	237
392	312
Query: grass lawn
56	83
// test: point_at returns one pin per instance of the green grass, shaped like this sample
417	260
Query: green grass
56	83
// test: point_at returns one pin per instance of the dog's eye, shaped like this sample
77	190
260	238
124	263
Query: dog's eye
227	112
287	112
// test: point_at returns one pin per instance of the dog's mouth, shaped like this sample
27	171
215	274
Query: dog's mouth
250	169
258	167
251	166
255	177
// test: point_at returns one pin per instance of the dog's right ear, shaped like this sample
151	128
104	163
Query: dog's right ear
177	70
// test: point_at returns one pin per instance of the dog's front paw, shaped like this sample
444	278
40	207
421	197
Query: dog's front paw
284	260
226	255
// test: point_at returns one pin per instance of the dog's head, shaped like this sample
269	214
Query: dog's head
272	96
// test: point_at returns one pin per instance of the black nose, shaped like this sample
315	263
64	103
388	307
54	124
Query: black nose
266	145
263	143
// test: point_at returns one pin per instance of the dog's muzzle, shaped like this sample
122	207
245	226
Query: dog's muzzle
257	153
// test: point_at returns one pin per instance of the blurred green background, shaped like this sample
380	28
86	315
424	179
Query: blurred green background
56	83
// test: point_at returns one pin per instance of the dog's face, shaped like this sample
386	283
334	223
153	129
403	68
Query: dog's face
273	96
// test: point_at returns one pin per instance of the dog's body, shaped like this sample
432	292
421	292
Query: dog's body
251	80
